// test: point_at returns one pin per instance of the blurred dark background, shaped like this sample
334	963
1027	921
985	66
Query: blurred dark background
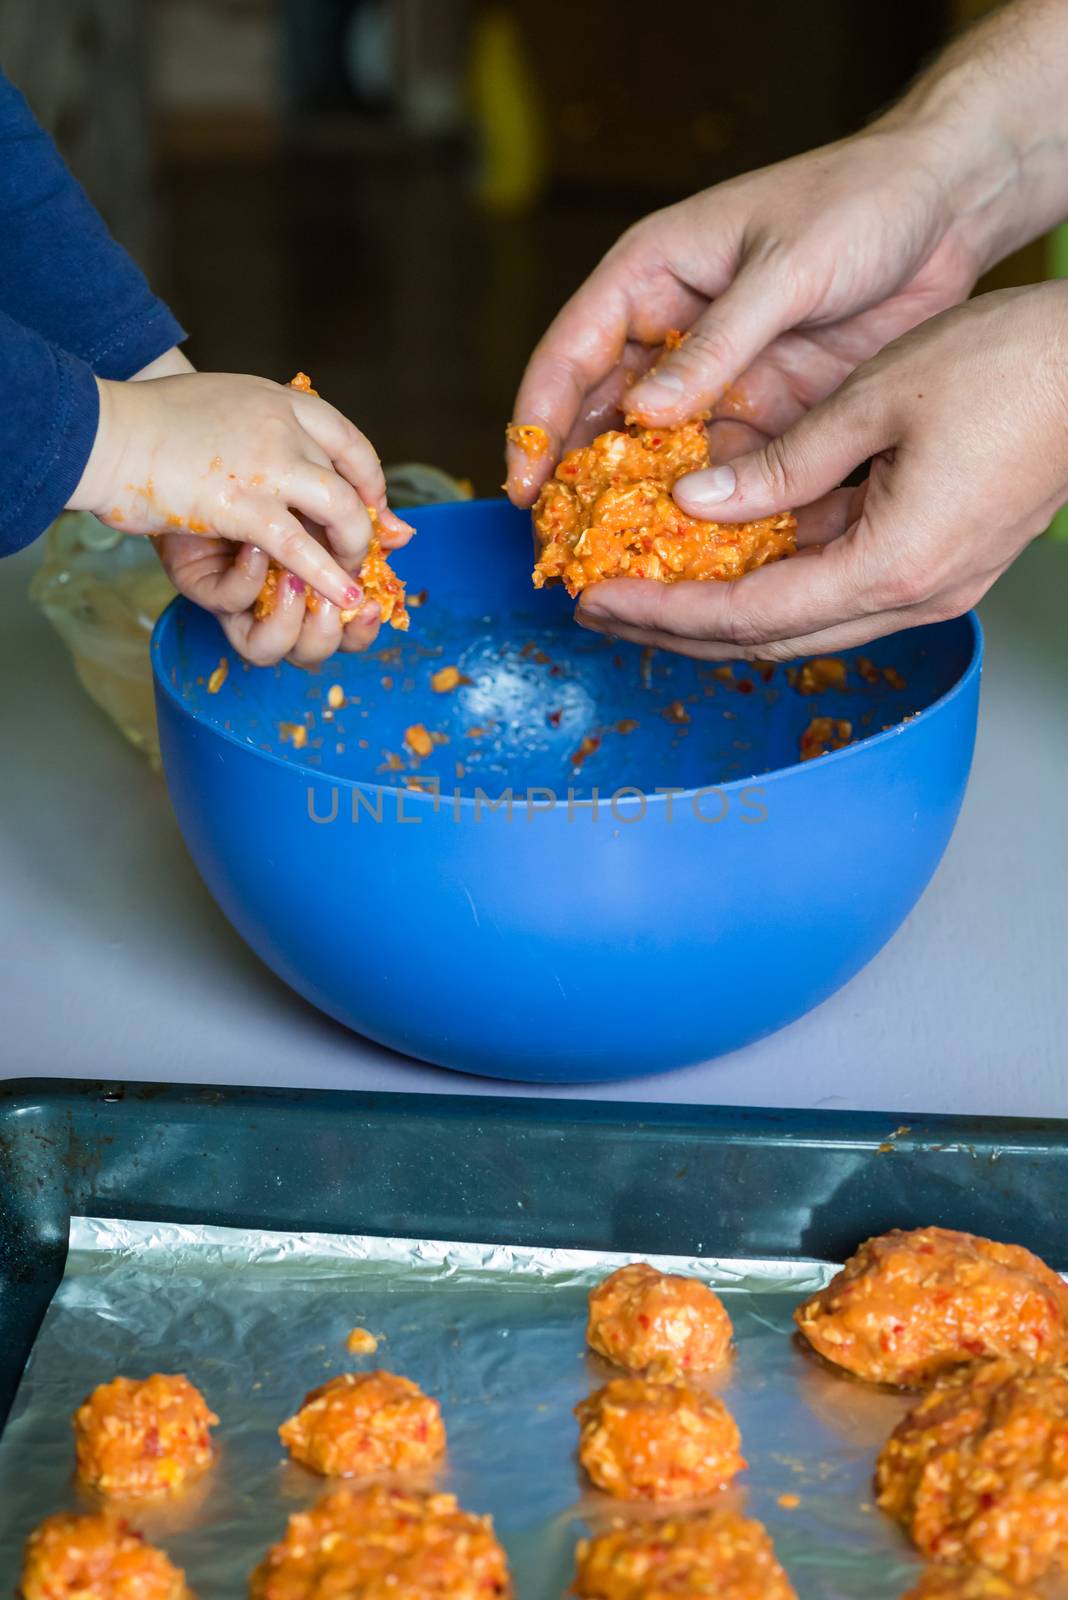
396	195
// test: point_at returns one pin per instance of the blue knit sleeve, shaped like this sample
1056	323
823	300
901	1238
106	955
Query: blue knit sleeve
49	409
61	272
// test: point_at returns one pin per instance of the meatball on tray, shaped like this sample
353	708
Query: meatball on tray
348	1290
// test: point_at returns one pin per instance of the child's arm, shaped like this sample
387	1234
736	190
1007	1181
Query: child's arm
61	272
240	463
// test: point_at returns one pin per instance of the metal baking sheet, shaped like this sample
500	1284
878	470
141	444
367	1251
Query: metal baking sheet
495	1332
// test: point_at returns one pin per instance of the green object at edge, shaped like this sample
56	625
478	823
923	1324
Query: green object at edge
1057	267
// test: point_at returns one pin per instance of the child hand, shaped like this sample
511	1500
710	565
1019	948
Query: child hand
226	579
238	461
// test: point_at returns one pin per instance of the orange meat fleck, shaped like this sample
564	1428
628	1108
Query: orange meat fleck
819	674
219	676
823	735
531	439
446	679
418	739
676	712
588	746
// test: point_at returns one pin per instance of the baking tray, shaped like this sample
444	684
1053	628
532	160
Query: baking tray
530	1175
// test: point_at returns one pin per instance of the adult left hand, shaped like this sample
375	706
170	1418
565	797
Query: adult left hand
965	422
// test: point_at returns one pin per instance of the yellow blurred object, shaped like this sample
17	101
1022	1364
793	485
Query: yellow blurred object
508	115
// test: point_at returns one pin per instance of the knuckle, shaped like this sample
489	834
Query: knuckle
260	653
277	425
708	346
292	544
900	588
741	625
944	607
776	465
337	498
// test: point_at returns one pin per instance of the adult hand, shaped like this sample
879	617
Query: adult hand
965	420
786	279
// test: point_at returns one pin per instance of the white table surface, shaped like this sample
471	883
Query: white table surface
116	962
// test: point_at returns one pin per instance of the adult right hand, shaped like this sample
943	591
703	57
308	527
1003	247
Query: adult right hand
786	279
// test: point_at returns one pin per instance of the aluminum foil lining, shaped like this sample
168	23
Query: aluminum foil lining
495	1332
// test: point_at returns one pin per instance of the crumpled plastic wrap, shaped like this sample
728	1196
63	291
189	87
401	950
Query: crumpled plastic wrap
104	591
495	1333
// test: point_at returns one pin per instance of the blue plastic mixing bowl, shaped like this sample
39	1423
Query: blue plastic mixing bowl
547	914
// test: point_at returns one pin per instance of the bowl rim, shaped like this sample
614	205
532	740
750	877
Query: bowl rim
414	798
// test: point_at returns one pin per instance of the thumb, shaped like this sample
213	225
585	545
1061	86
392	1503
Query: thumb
798	467
721	344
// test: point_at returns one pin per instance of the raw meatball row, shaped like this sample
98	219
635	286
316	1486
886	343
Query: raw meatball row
364	1423
966	1583
711	1553
658	1322
96	1557
641	1440
978	1471
143	1438
909	1306
378	1540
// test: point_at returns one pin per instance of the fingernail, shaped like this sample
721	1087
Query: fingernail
369	614
590	608
703	490
669	382
353	596
297	585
